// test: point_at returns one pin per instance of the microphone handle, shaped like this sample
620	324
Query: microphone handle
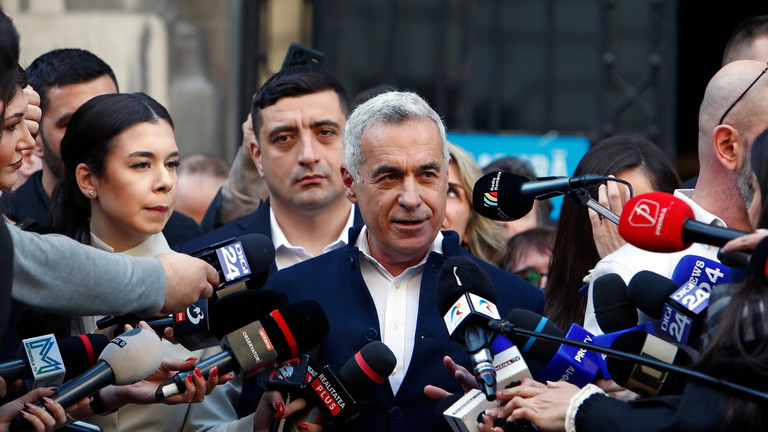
225	360
72	391
698	232
11	371
508	329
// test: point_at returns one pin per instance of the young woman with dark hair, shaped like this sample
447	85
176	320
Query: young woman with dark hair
582	239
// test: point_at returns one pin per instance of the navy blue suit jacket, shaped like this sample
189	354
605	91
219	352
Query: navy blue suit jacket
337	284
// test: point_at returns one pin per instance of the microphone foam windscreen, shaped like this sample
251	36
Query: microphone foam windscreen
241	308
497	196
613	310
295	328
368	368
758	263
654	222
260	253
81	352
649	291
133	356
538	348
460	275
636	342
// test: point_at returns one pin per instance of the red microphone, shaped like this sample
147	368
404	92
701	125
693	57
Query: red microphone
661	222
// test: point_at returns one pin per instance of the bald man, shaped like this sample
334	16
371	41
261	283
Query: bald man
723	193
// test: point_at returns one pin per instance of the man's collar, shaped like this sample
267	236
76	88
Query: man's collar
699	213
279	239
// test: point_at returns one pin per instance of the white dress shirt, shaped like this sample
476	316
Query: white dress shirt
287	254
397	303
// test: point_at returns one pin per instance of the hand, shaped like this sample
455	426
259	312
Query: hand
745	242
616	391
271	406
605	232
187	279
34	113
4	388
462	375
544	405
40	418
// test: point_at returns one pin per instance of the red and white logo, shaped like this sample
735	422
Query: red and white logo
645	213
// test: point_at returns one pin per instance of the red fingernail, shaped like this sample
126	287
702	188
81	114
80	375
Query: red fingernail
302	426
215	371
189	378
191	359
198	373
280	408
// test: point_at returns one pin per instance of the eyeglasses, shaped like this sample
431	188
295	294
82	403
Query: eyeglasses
531	275
741	96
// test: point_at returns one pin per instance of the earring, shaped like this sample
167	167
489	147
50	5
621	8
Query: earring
90	192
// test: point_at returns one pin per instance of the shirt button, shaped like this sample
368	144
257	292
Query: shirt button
396	413
394	326
371	334
397	285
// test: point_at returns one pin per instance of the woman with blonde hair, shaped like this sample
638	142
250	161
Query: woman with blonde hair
478	235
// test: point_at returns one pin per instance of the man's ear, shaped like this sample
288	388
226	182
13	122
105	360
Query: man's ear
728	146
86	181
256	157
349	185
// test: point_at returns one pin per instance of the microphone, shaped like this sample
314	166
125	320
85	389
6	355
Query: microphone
204	323
128	358
279	336
506	196
244	259
613	310
678	307
661	222
642	379
337	397
466	317
563	362
247	256
50	363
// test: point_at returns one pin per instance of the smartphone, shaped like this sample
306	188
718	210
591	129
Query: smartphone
299	54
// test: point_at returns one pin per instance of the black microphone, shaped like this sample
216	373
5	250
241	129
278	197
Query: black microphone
204	323
77	353
128	358
506	196
337	397
279	336
680	310
642	379
244	259
465	298
613	310
240	259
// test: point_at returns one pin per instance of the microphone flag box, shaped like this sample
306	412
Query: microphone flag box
605	340
293	374
255	350
468	306
233	262
45	361
191	327
508	362
463	415
574	365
